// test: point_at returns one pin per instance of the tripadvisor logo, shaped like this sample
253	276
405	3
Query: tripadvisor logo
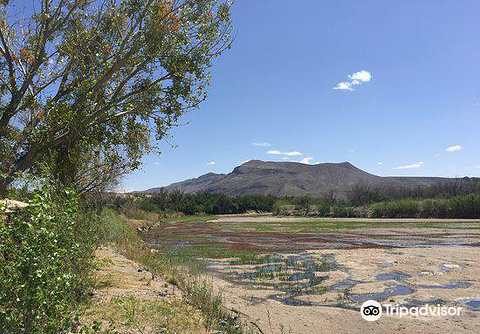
372	310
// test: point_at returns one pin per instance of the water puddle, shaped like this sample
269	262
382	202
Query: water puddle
344	285
300	279
395	276
454	285
448	267
394	290
473	304
293	275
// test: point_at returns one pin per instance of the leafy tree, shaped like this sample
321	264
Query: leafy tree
89	84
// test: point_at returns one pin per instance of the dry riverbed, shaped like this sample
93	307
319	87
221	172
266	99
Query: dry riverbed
311	275
410	276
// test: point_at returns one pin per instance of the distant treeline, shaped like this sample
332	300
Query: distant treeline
190	204
462	206
455	199
362	193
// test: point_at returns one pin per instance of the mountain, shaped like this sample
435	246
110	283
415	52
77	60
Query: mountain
192	185
295	179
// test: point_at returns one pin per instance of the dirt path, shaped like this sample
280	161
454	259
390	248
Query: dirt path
133	300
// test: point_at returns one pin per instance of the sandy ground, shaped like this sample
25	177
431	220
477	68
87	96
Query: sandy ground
120	277
429	271
407	264
136	302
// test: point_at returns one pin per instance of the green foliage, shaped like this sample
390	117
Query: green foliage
45	259
401	208
90	85
114	230
466	206
339	210
434	208
139	206
362	194
323	208
192	204
463	206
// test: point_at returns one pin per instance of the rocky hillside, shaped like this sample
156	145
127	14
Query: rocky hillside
294	179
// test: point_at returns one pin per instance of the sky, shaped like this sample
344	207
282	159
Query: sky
390	86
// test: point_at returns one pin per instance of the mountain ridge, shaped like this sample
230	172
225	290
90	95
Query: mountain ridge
281	179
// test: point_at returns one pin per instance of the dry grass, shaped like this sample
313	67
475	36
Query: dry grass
136	315
129	299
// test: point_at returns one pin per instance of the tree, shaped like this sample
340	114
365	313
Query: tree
91	84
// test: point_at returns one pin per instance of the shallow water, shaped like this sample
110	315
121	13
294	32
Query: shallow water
344	285
473	304
293	275
395	276
395	290
454	285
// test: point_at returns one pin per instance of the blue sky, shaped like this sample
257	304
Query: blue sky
419	93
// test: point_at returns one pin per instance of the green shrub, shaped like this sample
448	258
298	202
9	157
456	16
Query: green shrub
339	210
45	260
434	208
400	208
323	209
465	206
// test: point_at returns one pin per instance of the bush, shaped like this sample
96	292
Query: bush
434	208
341	211
191	204
400	208
45	260
323	209
139	206
465	206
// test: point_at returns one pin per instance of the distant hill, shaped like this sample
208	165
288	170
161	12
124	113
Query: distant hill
295	179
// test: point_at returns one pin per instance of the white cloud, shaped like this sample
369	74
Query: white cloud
306	160
361	76
453	148
274	152
288	154
344	86
356	78
292	154
417	165
211	163
380	163
262	144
